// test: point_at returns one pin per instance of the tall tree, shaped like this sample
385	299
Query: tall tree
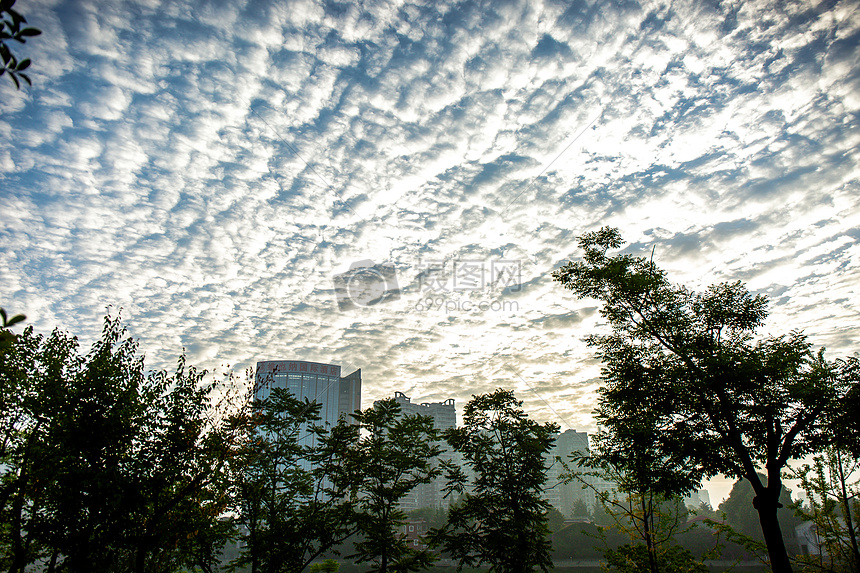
832	487
630	453
742	525
289	508
187	443
501	518
391	455
72	432
580	509
733	403
832	482
103	467
644	505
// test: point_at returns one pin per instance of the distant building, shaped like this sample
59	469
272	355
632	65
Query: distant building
696	498
444	416
321	383
414	531
808	539
563	496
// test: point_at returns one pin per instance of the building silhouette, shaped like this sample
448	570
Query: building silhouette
696	498
321	383
563	496
444	416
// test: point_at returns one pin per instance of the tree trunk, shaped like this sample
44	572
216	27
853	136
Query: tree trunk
19	558
845	501
383	561
647	514
767	506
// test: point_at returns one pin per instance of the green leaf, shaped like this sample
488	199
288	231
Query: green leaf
14	320
23	65
16	19
30	32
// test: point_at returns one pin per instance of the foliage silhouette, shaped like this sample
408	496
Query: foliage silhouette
832	486
103	467
501	518
725	401
389	455
10	29
290	513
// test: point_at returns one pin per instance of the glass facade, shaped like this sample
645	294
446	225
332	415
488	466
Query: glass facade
317	382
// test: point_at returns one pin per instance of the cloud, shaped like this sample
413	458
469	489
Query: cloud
209	167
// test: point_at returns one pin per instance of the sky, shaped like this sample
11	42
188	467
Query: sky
389	185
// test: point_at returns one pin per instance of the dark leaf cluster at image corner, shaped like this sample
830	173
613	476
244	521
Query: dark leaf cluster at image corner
11	30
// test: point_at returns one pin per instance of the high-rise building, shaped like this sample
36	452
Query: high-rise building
443	413
563	496
444	416
696	498
321	383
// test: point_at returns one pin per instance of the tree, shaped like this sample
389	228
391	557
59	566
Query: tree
72	435
705	510
630	454
728	402
832	481
501	519
554	520
327	566
832	486
841	420
434	516
391	454
289	508
642	506
103	467
741	525
739	511
580	509
180	469
635	559
10	29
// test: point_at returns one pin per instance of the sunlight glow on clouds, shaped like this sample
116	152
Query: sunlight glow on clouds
210	167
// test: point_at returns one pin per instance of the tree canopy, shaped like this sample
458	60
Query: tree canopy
501	518
725	399
103	467
289	510
388	456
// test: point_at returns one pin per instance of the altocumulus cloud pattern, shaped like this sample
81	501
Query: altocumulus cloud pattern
210	167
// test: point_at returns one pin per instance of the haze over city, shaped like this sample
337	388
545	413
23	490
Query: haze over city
213	169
